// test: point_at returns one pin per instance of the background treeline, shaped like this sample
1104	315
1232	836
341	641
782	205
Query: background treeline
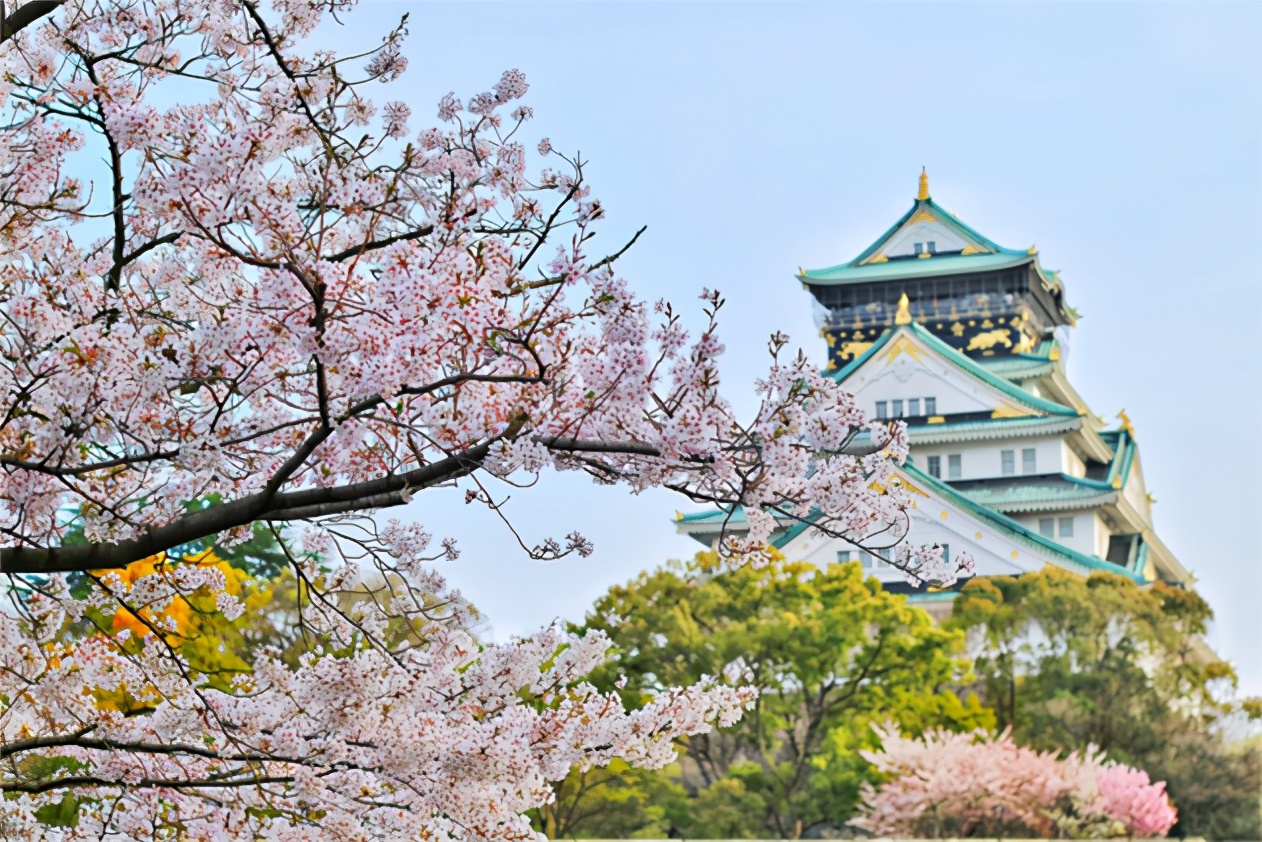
1063	661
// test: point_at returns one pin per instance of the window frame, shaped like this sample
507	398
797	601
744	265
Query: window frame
1008	463
1029	460
955	466
1047	527
1062	523
934	466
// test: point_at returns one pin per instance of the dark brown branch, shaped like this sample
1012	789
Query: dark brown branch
24	16
261	506
376	245
143	783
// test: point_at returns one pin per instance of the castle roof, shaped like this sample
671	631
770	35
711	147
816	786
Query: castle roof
961	249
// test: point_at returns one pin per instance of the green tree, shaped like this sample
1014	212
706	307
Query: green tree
1068	661
833	652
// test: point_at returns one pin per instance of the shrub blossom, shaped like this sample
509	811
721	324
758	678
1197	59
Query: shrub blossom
978	784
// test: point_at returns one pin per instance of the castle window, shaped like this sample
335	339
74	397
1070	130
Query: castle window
844	556
1066	527
933	247
881	410
1027	460
946	551
935	467
920	247
955	468
913	407
898	408
931	406
1047	527
1008	462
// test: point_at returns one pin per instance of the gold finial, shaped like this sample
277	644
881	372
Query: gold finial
924	185
903	316
1126	422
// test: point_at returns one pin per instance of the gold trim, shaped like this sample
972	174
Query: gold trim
989	339
903	316
923	193
970	250
1009	412
936	419
900	346
924	216
912	487
853	350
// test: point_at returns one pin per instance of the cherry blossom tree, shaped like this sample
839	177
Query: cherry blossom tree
977	784
275	306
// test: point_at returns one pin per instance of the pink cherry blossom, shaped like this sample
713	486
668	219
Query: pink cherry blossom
970	784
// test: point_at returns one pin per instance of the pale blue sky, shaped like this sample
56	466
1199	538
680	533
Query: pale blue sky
1125	140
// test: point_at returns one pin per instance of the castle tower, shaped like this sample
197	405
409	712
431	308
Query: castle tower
961	339
971	292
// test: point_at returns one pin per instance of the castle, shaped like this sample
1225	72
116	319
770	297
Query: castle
965	340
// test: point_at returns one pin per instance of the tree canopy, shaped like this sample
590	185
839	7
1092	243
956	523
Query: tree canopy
1067	661
832	653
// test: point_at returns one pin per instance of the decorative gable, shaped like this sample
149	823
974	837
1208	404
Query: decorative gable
910	363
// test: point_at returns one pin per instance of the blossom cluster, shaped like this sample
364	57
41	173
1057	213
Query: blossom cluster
436	735
978	784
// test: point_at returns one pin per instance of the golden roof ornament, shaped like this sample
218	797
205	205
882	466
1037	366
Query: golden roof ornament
924	185
1126	422
903	316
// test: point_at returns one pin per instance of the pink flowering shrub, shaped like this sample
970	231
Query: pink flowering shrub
979	784
1127	795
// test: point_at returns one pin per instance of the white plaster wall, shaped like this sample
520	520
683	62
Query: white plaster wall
982	460
1071	463
904	242
1136	491
906	378
1087	528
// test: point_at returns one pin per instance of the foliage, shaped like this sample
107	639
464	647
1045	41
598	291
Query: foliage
831	652
958	785
1068	661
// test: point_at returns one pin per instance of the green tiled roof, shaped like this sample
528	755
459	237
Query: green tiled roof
1022	366
1011	527
899	268
991	428
940	213
1059	492
960	361
996	520
990	255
